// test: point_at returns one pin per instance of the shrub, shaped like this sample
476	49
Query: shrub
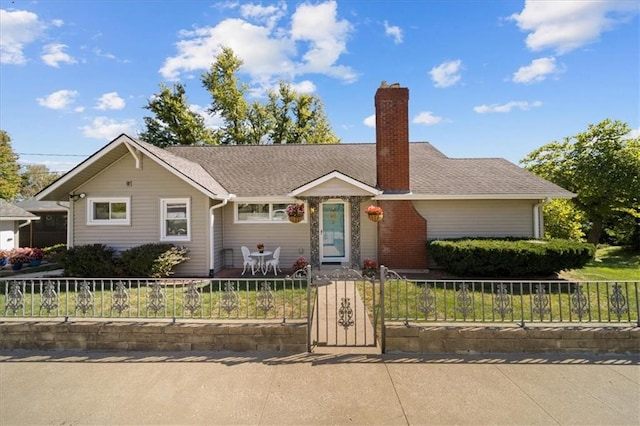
53	253
370	268
504	258
88	261
155	260
300	263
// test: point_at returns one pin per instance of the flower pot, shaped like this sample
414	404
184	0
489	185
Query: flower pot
35	262
375	217
260	250
16	266
3	261
295	219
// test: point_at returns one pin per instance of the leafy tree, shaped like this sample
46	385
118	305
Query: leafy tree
287	117
600	166
174	122
228	97
36	177
563	220
9	176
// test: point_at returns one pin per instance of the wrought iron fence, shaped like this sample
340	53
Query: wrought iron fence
511	301
241	298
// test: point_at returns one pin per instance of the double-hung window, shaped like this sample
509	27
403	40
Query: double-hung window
109	211
176	219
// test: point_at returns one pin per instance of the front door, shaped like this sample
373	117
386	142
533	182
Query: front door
334	233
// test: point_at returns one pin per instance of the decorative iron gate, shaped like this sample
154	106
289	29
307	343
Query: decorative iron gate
345	309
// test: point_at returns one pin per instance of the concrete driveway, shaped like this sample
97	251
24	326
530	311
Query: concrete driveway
187	388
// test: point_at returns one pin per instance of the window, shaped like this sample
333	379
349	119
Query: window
108	211
176	222
261	212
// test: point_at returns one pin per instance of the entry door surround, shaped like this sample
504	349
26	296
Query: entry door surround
353	203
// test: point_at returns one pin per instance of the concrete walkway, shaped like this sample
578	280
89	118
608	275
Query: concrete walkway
76	388
325	325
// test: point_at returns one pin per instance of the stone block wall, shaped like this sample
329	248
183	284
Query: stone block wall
512	339
150	336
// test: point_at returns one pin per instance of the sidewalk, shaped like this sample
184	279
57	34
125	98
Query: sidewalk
248	388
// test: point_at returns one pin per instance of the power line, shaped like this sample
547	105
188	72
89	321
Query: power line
54	155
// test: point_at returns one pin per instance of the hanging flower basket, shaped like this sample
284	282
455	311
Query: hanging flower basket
295	212
376	217
375	213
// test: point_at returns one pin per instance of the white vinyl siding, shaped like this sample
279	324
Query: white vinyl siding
477	218
145	188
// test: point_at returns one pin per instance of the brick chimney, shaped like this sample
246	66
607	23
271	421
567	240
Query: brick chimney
392	138
402	234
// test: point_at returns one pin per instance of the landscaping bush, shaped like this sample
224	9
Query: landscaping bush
89	261
155	260
53	253
509	257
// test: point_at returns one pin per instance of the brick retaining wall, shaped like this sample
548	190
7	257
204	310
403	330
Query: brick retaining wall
153	336
512	339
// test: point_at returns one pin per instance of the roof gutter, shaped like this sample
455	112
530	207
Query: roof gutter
436	197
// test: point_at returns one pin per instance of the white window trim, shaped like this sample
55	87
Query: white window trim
270	220
163	217
108	222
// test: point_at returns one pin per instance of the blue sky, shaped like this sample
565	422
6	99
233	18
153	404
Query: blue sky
486	78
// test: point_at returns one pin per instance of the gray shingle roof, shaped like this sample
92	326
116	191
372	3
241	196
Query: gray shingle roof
275	170
9	211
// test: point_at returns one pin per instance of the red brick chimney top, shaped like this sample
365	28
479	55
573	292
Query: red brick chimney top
392	138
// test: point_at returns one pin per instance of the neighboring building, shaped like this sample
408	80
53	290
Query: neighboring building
214	198
51	229
12	220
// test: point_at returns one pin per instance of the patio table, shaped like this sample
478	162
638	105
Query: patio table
261	256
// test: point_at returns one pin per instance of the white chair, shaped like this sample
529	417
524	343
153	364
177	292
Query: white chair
273	263
248	260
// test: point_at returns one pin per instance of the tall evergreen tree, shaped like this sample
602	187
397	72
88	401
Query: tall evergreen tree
9	169
173	122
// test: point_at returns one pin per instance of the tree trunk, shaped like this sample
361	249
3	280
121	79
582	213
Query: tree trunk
595	232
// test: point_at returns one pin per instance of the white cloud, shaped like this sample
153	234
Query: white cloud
370	121
268	15
110	101
304	87
58	100
538	70
568	25
53	54
427	118
633	134
107	129
522	105
212	121
394	31
19	28
446	74
311	42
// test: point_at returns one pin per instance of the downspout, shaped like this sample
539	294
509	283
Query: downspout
538	218
212	247
69	222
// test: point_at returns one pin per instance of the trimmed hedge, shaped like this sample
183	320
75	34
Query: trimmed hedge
508	257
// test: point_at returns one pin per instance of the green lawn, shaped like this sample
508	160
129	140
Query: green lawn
611	263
